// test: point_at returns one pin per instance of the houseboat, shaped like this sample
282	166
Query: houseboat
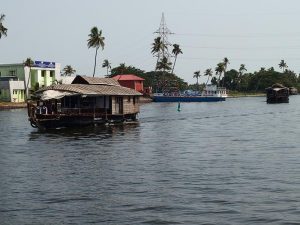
277	93
211	93
86	101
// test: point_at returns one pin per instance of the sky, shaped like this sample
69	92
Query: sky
257	33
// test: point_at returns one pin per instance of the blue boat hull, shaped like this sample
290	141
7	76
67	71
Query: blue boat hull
187	99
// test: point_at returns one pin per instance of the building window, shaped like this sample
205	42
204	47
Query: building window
43	73
128	99
133	99
0	74
12	72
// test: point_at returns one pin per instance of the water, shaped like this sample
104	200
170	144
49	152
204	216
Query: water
233	162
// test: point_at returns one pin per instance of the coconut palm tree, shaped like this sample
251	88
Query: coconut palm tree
106	64
242	69
208	73
68	70
95	41
219	70
176	51
157	47
3	30
29	63
282	65
225	63
197	75
164	64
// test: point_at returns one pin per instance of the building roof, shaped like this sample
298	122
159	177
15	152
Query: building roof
127	77
85	89
95	81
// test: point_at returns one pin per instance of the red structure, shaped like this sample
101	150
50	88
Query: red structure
131	81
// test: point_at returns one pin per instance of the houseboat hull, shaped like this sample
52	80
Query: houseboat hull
188	99
61	121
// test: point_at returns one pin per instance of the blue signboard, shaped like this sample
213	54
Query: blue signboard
43	64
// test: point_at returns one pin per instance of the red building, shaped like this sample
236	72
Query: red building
131	81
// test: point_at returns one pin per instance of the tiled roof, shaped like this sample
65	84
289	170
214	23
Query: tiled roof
95	80
127	77
87	89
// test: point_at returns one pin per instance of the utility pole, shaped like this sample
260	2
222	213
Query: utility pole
163	32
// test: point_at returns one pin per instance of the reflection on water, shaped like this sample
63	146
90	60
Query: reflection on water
99	132
234	162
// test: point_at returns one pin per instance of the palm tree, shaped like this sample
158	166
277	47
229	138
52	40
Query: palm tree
225	63
29	63
282	65
3	30
208	73
242	69
95	41
106	64
197	75
164	64
157	46
68	70
176	51
219	70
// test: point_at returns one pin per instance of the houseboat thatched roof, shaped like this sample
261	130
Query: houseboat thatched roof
85	89
95	81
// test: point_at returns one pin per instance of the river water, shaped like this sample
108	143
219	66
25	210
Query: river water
233	162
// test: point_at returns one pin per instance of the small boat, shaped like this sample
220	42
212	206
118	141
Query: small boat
211	93
277	93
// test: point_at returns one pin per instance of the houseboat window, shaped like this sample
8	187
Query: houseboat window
128	99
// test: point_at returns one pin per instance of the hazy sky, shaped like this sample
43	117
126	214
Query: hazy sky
258	33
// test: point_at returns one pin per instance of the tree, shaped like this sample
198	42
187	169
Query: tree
106	64
197	75
95	41
157	46
282	65
225	63
219	70
208	73
164	64
3	30
29	63
176	51
68	70
242	69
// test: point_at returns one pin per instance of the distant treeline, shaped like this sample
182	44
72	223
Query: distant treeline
234	80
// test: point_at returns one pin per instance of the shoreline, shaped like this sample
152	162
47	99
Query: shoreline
12	105
143	100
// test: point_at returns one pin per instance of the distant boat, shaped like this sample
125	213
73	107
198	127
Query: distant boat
277	93
211	93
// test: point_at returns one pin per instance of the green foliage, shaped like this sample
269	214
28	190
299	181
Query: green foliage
68	70
158	80
259	81
234	80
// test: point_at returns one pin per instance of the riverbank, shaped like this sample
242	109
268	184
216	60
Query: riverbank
12	105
